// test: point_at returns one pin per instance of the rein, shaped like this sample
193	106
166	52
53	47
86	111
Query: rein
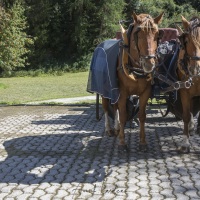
136	71
139	72
183	66
173	85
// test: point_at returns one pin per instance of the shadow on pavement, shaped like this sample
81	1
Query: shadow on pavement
74	149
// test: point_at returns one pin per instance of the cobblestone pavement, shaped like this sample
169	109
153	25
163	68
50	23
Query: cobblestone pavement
61	152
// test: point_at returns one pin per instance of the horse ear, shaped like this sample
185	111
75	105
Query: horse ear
124	35
158	19
186	24
135	18
180	31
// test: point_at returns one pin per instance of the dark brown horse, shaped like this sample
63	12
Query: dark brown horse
140	58
189	71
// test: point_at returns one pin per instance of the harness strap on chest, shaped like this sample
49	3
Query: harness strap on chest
173	85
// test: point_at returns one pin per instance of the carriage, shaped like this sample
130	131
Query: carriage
165	83
167	52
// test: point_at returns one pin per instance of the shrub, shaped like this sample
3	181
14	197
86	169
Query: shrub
14	41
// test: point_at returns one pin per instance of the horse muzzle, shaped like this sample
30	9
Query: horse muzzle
148	63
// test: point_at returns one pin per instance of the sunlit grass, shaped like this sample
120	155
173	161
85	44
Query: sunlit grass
28	89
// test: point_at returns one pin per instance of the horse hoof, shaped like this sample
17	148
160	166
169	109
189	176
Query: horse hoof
143	147
184	150
123	148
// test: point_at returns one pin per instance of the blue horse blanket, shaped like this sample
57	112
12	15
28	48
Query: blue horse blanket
103	70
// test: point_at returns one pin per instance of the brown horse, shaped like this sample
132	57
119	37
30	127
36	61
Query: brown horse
141	54
189	72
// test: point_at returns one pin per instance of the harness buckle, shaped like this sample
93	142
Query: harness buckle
188	84
177	86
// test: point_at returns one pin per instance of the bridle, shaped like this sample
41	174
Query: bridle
137	47
184	62
136	66
143	58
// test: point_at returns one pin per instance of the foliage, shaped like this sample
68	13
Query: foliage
194	3
39	16
172	11
14	41
107	16
66	32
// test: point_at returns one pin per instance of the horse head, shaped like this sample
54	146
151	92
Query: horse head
144	40
189	56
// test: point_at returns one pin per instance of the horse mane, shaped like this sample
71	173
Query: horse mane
145	21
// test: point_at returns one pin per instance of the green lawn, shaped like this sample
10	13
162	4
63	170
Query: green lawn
27	89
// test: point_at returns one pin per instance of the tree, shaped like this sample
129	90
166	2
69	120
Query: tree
68	30
14	41
194	3
108	14
38	13
130	7
172	11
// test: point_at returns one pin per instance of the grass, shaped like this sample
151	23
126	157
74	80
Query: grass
19	90
2	86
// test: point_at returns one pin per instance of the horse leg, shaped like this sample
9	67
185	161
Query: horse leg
185	98
191	123
142	118
105	104
116	123
108	129
122	118
198	124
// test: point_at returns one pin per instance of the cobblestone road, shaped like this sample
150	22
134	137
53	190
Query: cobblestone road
61	152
